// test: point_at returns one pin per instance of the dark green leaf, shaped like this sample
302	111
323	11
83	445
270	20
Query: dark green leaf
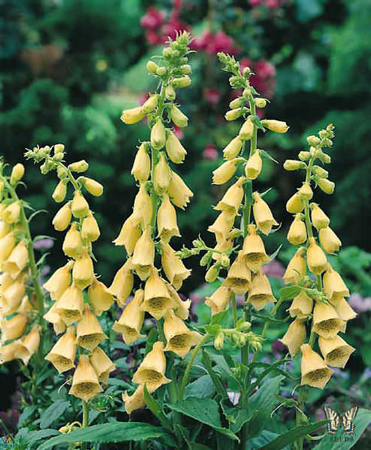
256	121
156	409
202	387
214	376
289	292
53	413
265	154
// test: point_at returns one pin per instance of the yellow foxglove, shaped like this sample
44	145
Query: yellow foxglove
302	306
275	125
142	164
305	192
161	175
232	199
59	281
135	401
222	225
13	328
129	235
7	243
174	149
133	115
79	206
253	250
247	130
28	345
260	293
181	307
329	241
8	352
326	322
63	217
85	384
179	118
226	171
254	166
326	185
239	276
316	258
103	366
72	244
131	321
4	229
54	318
13	295
123	283
17	174
12	213
297	232
99	297
17	260
144	254
334	285
92	186
152	370
83	271
166	220
294	205
173	266
296	269
263	215
157	300
89	333
71	305
150	104
294	336
233	149
335	351
62	355
344	310
179	192
90	229
319	218
179	338
158	135
314	370
142	210
60	192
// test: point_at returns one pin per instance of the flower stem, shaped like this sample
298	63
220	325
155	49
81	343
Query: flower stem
85	421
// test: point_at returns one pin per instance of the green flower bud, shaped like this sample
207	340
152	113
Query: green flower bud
313	140
237	102
79	166
320	171
304	156
170	93
186	69
181	82
291	164
161	71
326	185
261	102
152	67
219	341
58	148
234	114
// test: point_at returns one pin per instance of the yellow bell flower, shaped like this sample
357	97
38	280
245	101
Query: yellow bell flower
157	300
305	192
28	345
179	192
161	175
142	210
123	283
260	293
326	185
99	297
277	126
166	220
150	104
222	225
71	305
329	241
181	307
222	245
144	254
174	149
247	130
232	199
344	310
294	205
179	118
13	295
263	215
173	266
90	229
85	384
72	244
17	260
179	339
219	300
253	250
103	366
296	269
26	305
319	218
316	258
133	115
83	271
8	352
13	328
63	217
59	281
297	233
314	370
232	150
89	333
326	322
239	276
294	336
129	235
62	355
142	164
158	135
131	321
7	243
226	171
254	166
12	213
152	370
302	306
54	318
92	186
17	174
4	229
59	193
335	351
79	206
135	401
334	285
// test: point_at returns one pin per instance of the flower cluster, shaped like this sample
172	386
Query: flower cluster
148	230
319	294
78	296
20	298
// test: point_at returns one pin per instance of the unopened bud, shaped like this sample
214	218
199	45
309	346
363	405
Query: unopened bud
325	159
152	67
234	114
170	93
150	104
79	166
304	156
291	164
58	148
224	260
261	102
326	185
246	92
237	102
305	192
212	273
181	82
320	171
17	174
161	71
92	186
186	69
61	172
60	192
219	341
313	140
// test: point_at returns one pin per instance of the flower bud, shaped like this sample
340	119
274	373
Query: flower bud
296	269
93	187
63	217
80	206
233	148
181	82
326	185
224	260
142	164
329	241
150	104
79	166
275	125
12	213
176	115
60	192
170	93
62	172
158	135
17	174
161	175
305	192
161	71
313	140
262	214
133	115
219	341
152	66
316	258
213	273
291	164
304	156
58	148
260	102
234	114
320	171
72	244
237	102
319	218
247	130
226	171
246	93
297	233
325	159
90	229
254	166
294	204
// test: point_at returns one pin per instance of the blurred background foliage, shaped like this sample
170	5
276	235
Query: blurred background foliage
69	67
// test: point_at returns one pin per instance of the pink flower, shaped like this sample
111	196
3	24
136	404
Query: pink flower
175	25
264	69
212	95
43	244
245	62
152	19
210	152
178	132
154	38
142	98
221	43
274	269
254	3
359	303
273	4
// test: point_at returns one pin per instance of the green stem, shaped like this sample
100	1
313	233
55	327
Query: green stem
85	421
234	310
190	363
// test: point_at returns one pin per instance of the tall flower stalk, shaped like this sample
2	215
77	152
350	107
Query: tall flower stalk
78	295
22	299
318	291
152	264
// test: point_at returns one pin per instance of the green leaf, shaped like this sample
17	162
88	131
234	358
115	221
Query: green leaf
292	435
236	416
204	410
256	121
53	413
112	432
34	437
289	292
26	414
214	376
201	388
156	409
344	441
265	154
